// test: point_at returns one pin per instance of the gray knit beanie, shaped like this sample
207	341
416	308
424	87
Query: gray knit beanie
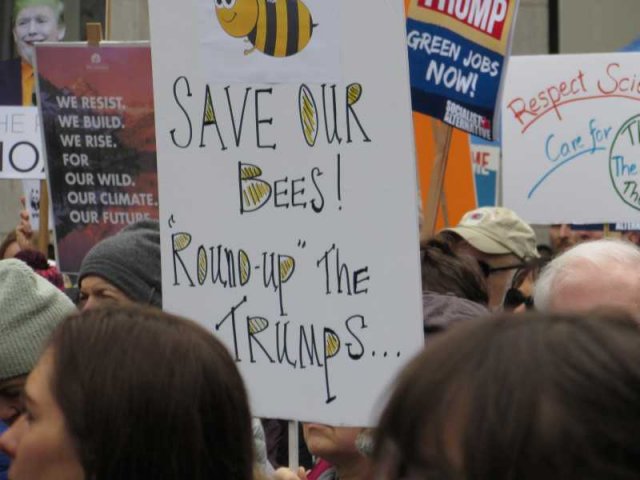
130	261
30	308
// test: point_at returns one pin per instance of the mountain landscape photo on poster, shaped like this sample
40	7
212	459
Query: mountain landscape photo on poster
98	118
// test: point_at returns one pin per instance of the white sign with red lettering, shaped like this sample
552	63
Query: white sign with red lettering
571	138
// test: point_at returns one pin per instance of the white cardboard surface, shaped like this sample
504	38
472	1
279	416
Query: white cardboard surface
21	152
317	292
571	146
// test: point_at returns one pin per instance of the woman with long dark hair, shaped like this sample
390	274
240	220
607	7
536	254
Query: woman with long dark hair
132	393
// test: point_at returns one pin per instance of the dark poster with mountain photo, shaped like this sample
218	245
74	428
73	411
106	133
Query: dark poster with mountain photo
96	106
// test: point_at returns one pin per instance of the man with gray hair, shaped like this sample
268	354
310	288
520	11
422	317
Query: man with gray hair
591	275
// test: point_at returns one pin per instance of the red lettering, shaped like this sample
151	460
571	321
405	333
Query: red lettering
549	98
486	16
614	87
519	108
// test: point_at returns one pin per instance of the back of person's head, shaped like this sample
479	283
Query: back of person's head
524	397
445	272
453	287
130	261
30	309
147	395
601	273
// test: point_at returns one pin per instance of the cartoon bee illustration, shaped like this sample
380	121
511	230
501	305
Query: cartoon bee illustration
278	28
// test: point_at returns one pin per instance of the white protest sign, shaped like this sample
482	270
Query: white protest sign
571	143
289	217
20	143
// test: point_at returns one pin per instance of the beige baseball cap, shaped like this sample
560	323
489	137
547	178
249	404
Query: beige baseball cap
497	231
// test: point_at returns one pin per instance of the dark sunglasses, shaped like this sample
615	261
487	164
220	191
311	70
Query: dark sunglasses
488	270
514	298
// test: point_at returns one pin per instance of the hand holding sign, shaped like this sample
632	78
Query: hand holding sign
24	231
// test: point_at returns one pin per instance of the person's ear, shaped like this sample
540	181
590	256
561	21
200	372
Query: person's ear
62	29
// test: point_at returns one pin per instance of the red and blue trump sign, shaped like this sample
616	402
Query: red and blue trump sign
457	56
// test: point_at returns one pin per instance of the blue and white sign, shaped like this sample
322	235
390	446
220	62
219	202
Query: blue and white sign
457	57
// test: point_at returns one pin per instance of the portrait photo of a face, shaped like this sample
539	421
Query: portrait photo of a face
23	24
36	21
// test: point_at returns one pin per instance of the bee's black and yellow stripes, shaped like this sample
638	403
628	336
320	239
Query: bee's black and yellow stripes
283	28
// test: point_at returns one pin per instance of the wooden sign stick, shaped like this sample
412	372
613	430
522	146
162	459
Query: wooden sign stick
94	33
107	19
43	233
442	137
444	208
